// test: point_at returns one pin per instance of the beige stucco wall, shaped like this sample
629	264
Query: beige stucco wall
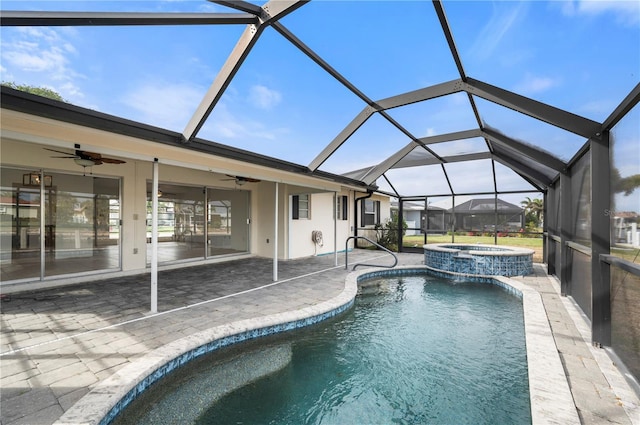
322	219
385	213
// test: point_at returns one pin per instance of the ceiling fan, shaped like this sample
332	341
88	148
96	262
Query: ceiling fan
242	180
85	158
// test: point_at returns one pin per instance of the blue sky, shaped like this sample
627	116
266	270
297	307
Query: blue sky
582	56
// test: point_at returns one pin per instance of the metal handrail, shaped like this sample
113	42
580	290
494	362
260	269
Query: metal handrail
346	254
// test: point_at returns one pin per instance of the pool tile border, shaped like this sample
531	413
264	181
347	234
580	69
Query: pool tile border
103	403
551	399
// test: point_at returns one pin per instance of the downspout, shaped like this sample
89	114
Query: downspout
355	216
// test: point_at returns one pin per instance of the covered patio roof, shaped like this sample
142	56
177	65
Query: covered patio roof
403	141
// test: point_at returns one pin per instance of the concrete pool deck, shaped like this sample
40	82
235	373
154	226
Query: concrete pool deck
58	344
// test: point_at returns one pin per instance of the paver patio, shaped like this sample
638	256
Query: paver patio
58	344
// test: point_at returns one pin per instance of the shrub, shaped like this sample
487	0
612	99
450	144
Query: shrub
387	232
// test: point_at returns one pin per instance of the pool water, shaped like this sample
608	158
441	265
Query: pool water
413	350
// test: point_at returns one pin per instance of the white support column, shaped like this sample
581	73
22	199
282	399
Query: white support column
275	238
154	239
335	228
44	211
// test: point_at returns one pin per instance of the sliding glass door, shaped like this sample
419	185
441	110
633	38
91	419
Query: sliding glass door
195	223
56	224
227	221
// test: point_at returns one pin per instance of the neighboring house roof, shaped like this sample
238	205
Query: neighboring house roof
626	214
413	206
486	206
475	206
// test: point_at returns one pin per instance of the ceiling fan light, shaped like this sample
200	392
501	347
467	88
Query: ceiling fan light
83	162
240	182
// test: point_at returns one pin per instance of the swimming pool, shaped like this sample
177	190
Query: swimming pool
550	397
415	349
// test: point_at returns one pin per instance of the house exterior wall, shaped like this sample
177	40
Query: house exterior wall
334	234
263	220
413	220
385	214
25	137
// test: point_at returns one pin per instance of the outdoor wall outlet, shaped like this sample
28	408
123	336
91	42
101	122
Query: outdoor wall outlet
135	216
267	240
135	250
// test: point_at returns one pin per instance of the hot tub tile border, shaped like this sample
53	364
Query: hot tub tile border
482	259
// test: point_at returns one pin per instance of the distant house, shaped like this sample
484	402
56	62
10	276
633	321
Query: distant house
416	218
475	215
626	228
479	215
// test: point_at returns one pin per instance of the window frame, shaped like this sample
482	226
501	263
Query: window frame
366	215
341	210
297	211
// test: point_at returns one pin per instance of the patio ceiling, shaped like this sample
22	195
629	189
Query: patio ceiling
411	149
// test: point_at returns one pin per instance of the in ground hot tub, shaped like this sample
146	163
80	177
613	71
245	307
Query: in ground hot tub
477	259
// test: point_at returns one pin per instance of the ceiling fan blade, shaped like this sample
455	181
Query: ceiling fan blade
71	155
241	178
90	155
95	157
112	161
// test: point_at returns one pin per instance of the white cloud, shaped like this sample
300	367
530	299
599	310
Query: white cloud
536	84
225	124
71	89
430	132
598	107
36	60
263	97
164	104
504	17
626	12
211	8
42	57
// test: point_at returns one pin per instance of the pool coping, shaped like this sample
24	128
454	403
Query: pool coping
551	399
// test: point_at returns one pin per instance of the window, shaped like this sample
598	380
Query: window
342	207
300	207
370	212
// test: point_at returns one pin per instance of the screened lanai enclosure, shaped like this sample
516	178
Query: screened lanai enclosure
477	119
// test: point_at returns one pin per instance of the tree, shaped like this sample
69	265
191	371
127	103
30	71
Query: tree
40	91
534	210
625	185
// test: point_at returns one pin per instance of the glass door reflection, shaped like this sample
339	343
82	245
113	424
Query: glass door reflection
227	222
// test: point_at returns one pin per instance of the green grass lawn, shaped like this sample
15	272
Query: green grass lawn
531	243
629	254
